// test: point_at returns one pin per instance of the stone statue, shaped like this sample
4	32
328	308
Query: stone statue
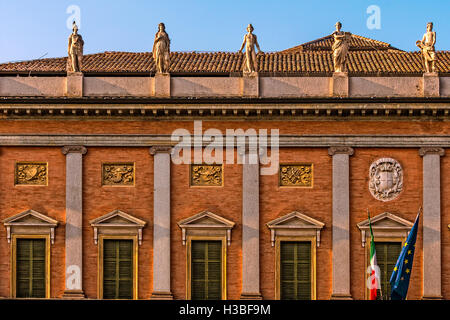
250	41
340	48
426	45
161	50
75	50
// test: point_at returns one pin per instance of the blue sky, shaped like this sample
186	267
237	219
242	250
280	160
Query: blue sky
30	29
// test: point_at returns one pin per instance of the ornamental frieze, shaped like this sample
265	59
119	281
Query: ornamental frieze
299	175
206	175
31	173
118	174
385	179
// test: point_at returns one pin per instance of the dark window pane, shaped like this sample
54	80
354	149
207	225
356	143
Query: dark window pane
295	269
206	270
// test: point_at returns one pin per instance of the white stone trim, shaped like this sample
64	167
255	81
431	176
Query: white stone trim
42	224
131	225
385	225
216	224
295	224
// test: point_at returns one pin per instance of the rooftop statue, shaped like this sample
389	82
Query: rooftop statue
75	50
340	48
161	50
250	41
426	45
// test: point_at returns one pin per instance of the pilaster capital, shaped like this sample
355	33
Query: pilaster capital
73	149
431	150
160	149
340	150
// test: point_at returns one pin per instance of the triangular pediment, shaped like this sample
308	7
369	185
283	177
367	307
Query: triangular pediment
295	219
30	218
386	220
206	219
357	43
117	218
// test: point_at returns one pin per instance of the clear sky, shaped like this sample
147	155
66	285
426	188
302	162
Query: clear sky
30	29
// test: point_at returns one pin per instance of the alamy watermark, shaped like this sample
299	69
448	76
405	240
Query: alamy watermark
374	20
75	15
212	146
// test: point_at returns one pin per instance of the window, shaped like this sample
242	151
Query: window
295	270
295	237
387	254
30	233
30	268
389	231
206	270
118	235
206	236
118	270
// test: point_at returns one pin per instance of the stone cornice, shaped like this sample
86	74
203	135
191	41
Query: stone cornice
160	149
179	108
74	141
73	149
340	150
431	150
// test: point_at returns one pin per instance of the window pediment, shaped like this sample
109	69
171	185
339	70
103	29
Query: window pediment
295	224
385	225
206	222
30	222
117	222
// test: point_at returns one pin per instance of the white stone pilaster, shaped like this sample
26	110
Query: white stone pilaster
250	226
341	222
161	223
74	221
432	285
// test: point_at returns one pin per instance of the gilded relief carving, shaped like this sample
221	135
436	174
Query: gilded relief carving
299	175
118	174
206	175
31	173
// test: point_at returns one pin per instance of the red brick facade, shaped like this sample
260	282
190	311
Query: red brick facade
225	201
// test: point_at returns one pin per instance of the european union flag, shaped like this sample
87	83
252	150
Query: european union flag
402	270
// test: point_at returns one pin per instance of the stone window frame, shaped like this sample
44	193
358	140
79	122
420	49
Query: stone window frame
130	228
382	233
218	228
13	280
400	240
43	227
101	239
189	240
306	229
278	241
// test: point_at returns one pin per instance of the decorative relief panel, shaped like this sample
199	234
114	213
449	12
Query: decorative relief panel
386	179
296	175
118	174
31	173
206	175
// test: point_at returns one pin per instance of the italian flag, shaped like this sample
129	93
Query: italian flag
374	274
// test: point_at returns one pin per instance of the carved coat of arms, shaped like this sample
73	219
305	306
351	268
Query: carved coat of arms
386	179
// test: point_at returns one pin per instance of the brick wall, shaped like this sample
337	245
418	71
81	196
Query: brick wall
225	201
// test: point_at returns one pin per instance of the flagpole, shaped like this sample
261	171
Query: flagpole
372	241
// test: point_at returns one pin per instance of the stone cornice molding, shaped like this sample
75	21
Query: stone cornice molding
431	150
73	149
285	141
340	150
160	149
